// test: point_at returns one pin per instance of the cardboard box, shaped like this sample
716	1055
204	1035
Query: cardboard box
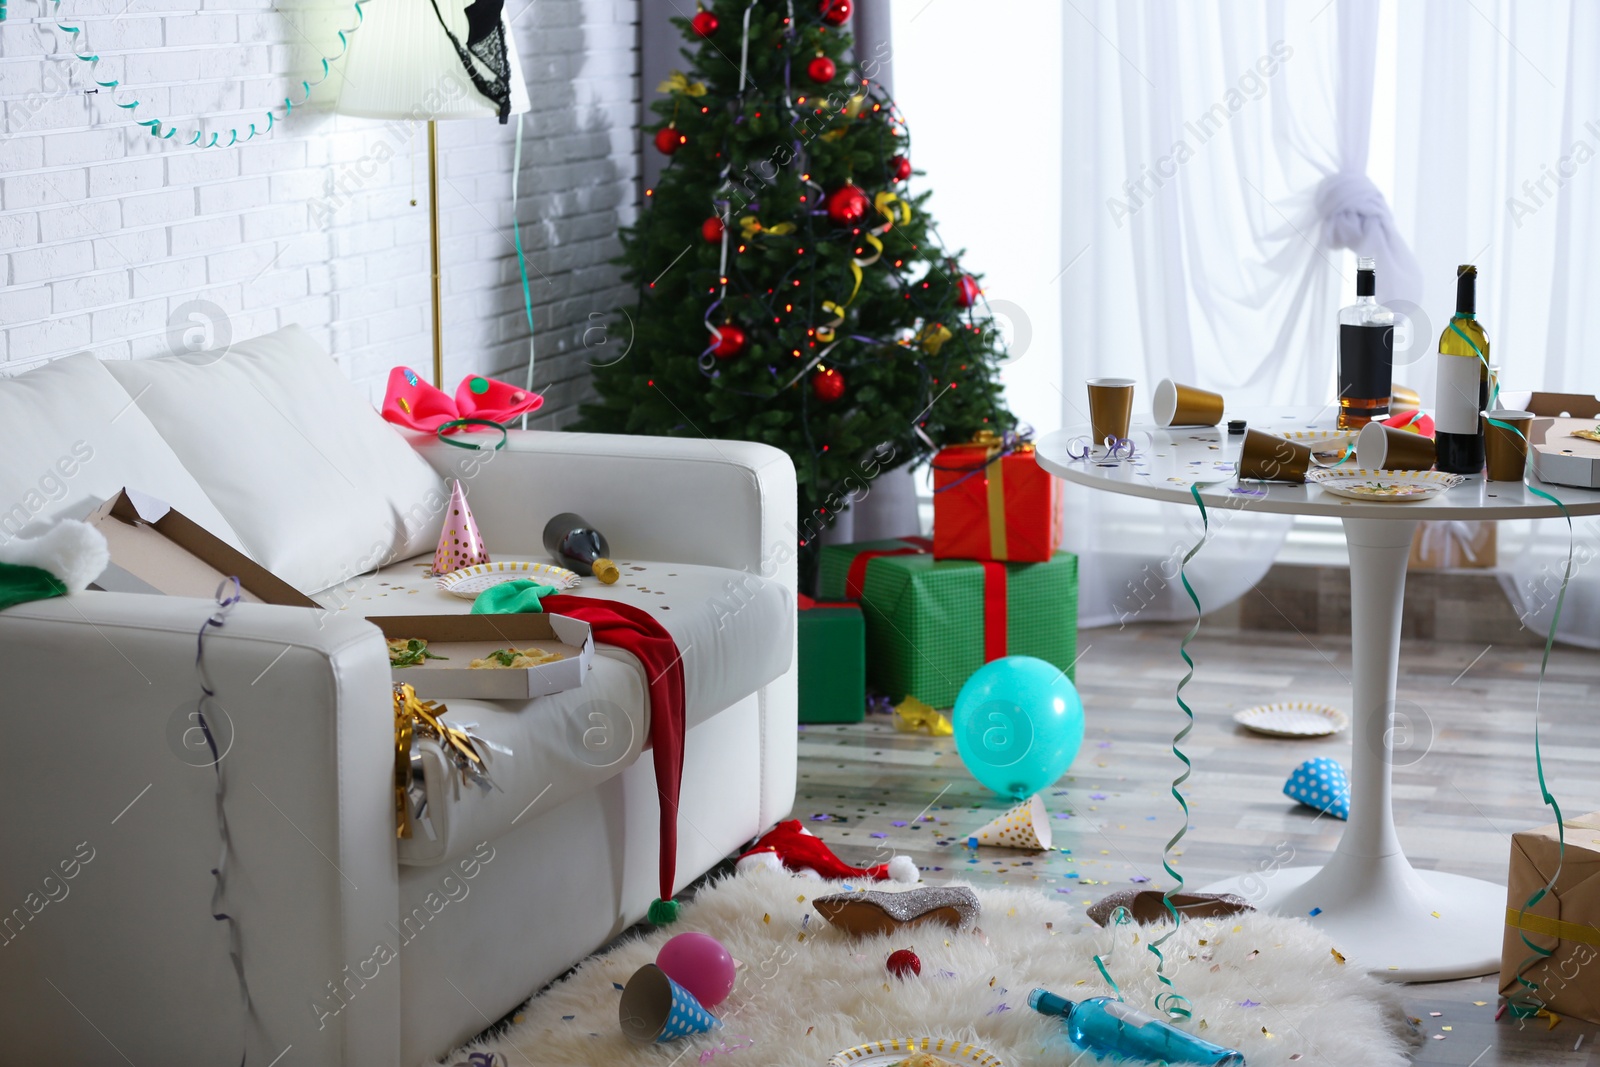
1561	459
157	549
1566	920
463	638
1462	545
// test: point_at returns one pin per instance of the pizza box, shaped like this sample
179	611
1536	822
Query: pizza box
157	549
464	638
1561	459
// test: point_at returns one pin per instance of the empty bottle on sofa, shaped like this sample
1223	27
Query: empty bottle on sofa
1109	1027
578	546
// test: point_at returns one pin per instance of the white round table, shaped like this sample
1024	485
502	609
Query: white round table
1398	922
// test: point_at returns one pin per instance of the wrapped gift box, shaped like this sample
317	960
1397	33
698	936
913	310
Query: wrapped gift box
993	506
1444	546
930	623
1567	919
833	662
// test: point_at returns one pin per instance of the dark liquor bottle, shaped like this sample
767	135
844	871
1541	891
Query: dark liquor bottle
1366	353
1462	383
578	546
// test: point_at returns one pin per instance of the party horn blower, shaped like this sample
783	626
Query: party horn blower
655	1009
460	544
1025	826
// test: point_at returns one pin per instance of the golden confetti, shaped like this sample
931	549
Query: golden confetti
1435	915
801	899
991	982
1202	941
799	937
767	918
1078	982
1269	1033
1447	1028
1236	929
1204	1025
1337	954
1480	1003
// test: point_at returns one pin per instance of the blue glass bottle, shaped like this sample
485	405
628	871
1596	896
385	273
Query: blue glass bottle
1109	1027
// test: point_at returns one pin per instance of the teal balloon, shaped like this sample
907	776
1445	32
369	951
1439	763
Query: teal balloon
1018	724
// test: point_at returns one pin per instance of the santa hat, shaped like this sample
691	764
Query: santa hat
790	845
64	559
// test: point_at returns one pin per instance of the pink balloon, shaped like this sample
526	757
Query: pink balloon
700	964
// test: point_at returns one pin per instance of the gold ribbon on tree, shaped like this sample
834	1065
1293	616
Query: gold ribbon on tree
885	202
750	226
677	83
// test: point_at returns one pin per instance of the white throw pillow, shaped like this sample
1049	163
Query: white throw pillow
318	486
70	438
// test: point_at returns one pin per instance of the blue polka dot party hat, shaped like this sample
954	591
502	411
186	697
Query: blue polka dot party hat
656	1009
1322	784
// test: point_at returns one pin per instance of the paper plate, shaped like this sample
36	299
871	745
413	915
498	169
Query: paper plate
1297	719
468	582
1319	440
1393	486
893	1050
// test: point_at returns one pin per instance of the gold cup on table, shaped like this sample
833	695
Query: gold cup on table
1110	408
1266	457
1384	448
1506	451
1186	405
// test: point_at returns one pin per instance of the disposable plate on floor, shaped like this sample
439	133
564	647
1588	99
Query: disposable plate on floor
1297	719
468	582
1399	486
895	1049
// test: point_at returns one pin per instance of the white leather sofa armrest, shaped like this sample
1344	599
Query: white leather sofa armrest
109	778
674	499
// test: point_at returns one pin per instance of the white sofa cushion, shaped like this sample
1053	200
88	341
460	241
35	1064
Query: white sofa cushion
317	485
74	438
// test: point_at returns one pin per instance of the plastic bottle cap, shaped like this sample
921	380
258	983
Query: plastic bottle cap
1236	426
1047	1003
606	571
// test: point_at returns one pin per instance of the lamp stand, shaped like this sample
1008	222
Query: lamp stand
433	252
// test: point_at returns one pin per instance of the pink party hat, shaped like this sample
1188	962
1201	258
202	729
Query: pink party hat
460	544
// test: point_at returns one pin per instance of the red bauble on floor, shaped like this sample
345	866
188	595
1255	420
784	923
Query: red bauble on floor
835	12
903	963
847	205
711	230
821	70
731	343
827	385
669	140
704	23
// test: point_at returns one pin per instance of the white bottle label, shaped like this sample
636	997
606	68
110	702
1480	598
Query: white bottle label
1457	394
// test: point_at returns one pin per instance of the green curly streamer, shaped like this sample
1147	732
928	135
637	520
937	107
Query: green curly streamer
156	126
1119	917
1527	1004
1173	1003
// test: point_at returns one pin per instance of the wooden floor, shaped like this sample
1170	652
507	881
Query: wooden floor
1464	781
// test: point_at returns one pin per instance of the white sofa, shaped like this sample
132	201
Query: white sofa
358	949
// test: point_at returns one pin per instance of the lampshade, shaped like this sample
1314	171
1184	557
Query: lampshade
402	66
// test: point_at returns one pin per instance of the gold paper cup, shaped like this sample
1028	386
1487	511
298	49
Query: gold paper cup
1110	407
1185	405
1505	452
1384	448
1266	457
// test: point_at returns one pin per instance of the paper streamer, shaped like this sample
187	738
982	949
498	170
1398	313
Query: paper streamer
228	594
1527	1004
156	125
1119	917
1175	1004
522	257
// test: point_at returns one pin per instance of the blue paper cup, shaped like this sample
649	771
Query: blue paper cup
656	1009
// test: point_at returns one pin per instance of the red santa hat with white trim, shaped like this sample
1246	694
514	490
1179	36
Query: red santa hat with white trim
792	847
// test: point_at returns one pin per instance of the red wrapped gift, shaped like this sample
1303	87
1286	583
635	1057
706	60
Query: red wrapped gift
992	501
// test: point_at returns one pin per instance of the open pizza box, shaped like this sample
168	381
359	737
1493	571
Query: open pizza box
155	548
460	639
1559	458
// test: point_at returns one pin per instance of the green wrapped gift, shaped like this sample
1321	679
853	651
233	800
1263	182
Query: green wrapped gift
930	623
833	662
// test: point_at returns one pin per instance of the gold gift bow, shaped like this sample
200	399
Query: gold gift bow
414	718
677	83
1557	928
994	473
911	715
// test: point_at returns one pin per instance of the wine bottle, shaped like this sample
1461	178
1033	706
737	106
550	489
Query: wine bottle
1109	1027
1462	383
1366	353
578	546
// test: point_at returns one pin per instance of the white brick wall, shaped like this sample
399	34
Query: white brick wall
105	233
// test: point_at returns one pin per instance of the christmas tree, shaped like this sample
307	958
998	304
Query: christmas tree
792	289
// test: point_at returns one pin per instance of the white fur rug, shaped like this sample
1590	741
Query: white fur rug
1269	987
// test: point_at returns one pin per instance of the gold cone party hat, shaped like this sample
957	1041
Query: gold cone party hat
1025	826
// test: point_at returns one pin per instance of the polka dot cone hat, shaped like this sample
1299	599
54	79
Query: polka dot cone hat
1322	784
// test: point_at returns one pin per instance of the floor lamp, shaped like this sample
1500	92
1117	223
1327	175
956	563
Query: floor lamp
402	66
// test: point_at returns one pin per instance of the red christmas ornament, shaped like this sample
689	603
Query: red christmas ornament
835	12
903	963
827	385
900	167
821	70
704	23
669	140
847	205
732	343
967	291
711	230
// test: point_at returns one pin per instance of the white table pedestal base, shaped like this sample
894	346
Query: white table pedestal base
1385	916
